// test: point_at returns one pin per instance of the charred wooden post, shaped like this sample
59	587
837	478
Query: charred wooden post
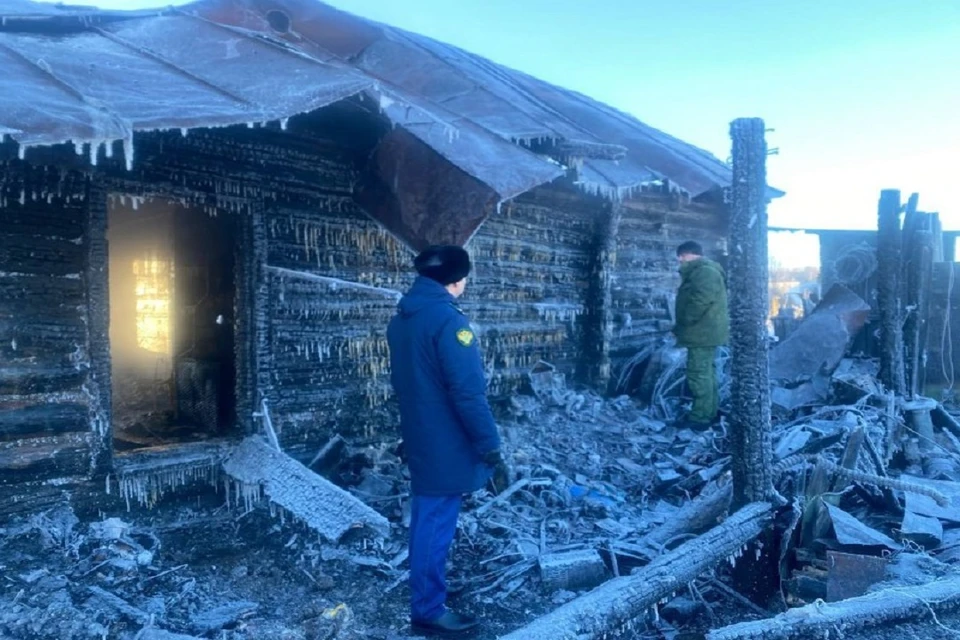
888	291
919	270
615	604
251	321
99	384
601	334
751	447
821	620
750	387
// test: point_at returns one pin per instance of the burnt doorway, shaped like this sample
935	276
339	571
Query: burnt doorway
172	299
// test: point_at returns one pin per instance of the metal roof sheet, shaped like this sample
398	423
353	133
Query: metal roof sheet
91	76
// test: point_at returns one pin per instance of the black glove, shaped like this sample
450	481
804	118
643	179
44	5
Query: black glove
501	473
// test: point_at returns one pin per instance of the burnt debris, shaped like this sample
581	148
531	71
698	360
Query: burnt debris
197	436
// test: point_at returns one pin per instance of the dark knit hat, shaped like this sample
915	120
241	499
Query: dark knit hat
446	264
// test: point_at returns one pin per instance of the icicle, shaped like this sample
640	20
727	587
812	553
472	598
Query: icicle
386	102
128	151
22	152
108	148
283	124
78	147
94	152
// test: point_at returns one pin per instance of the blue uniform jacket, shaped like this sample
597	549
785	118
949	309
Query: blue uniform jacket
437	374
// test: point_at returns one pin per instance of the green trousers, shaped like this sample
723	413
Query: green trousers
702	381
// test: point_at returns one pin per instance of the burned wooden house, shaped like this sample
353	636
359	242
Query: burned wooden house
207	214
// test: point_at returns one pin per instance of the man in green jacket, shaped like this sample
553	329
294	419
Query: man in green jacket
702	325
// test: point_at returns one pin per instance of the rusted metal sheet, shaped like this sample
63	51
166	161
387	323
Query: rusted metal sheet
100	76
820	342
851	575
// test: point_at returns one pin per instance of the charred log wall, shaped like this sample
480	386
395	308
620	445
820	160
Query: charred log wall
51	401
328	345
647	277
529	292
313	345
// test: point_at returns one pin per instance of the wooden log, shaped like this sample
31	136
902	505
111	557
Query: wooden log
945	419
698	515
615	604
22	379
46	457
822	620
19	418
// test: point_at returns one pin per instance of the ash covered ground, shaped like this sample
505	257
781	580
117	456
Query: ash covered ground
596	480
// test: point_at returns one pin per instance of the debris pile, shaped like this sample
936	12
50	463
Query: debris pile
611	510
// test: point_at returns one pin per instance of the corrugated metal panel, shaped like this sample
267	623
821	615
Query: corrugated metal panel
222	62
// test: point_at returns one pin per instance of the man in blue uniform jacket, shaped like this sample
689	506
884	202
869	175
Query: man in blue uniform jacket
449	435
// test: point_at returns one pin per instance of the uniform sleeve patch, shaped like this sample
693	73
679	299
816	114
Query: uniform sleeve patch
465	337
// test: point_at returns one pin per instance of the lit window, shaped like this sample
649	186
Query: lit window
153	278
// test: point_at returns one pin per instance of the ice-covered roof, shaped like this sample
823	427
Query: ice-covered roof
89	77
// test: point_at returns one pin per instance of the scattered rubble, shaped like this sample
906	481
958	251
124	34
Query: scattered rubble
616	520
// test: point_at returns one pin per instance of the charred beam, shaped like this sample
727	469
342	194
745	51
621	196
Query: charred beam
617	603
750	389
259	470
919	271
602	308
823	620
888	291
99	380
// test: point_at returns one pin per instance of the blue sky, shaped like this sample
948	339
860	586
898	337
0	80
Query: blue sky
862	94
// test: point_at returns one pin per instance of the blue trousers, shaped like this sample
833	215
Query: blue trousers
433	523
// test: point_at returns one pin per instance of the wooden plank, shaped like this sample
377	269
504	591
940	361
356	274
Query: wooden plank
30	378
259	470
52	222
45	457
33	497
22	417
40	256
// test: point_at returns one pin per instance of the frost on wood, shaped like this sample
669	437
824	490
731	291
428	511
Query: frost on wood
750	388
833	620
616	604
256	469
572	570
889	292
149	481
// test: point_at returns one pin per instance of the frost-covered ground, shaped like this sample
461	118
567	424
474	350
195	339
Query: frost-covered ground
592	474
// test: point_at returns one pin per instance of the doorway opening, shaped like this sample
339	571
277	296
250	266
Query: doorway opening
172	300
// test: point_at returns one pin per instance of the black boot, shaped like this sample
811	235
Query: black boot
449	624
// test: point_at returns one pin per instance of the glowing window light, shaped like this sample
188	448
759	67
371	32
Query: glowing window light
153	279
